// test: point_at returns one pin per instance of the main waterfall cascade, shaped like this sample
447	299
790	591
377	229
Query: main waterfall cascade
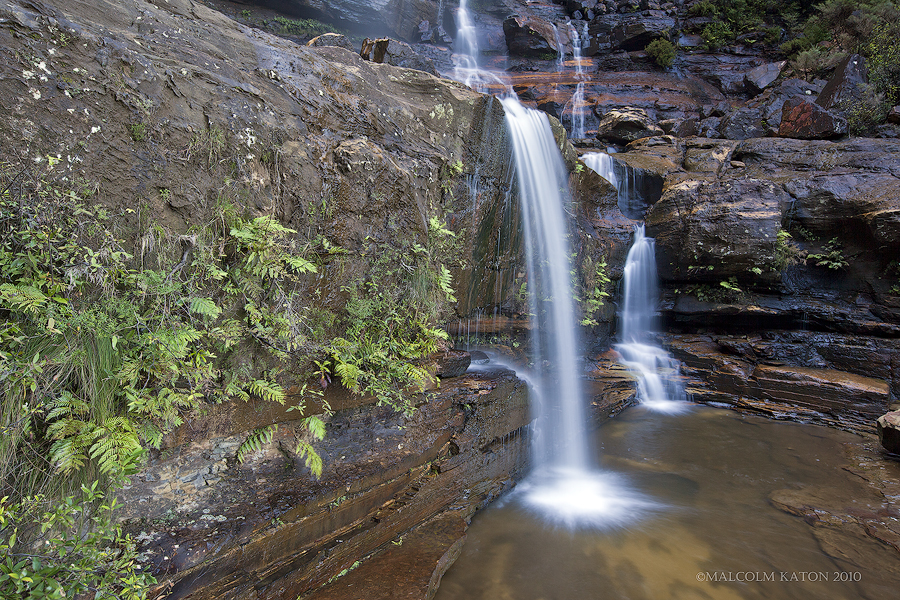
565	486
659	387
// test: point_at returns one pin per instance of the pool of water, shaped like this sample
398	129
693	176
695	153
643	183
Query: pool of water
702	526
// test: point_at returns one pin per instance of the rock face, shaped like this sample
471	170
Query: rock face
888	426
628	32
283	533
627	125
745	372
730	225
376	19
530	36
808	121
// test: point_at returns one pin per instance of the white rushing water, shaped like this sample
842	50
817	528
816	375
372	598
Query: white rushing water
543	193
659	387
466	65
565	486
578	105
602	164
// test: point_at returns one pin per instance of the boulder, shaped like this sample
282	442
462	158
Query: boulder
761	77
713	230
683	128
331	39
613	32
888	426
401	54
807	120
451	363
846	83
725	71
771	101
626	125
742	124
894	115
709	127
530	36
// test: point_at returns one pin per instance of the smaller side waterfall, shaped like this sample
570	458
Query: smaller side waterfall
578	107
603	165
659	385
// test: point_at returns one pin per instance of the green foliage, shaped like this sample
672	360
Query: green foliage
101	353
882	51
717	34
74	550
137	131
305	28
209	144
809	62
705	8
732	286
388	326
832	256
594	292
662	52
255	441
786	251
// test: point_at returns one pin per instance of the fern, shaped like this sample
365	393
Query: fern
267	390
116	441
204	307
310	457
445	281
255	441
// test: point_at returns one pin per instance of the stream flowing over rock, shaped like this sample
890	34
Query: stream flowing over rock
777	245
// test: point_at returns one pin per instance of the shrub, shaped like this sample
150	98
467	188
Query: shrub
67	548
662	52
716	35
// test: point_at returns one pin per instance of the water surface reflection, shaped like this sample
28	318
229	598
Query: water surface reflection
713	472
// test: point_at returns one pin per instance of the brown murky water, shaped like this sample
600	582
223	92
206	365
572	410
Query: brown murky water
714	534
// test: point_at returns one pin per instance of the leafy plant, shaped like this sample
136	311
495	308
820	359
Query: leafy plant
595	291
832	256
75	551
717	34
255	441
137	131
662	52
786	251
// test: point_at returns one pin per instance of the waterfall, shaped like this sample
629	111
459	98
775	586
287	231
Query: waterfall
659	387
576	129
560	438
603	165
565	486
466	67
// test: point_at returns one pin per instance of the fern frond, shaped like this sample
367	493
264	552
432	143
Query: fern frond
312	459
204	307
255	441
267	390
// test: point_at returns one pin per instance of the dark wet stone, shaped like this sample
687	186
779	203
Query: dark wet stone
888	426
451	363
627	125
809	121
331	39
742	124
479	357
761	77
845	86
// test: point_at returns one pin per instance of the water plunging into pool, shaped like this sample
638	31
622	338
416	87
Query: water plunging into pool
659	387
565	486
